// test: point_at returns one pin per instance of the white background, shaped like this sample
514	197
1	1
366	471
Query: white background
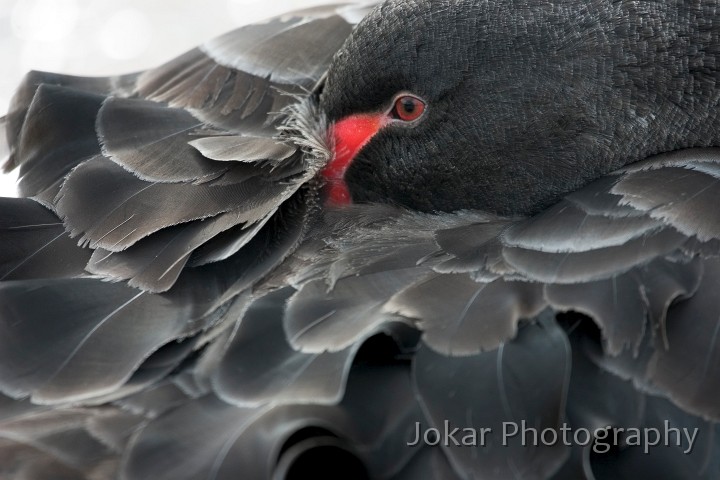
104	37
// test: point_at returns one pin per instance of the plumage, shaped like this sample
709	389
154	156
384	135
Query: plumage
237	80
592	264
677	195
478	316
35	244
17	117
141	208
217	439
46	154
565	228
87	352
154	263
671	461
55	442
626	406
524	380
319	320
181	298
259	366
683	370
151	140
243	149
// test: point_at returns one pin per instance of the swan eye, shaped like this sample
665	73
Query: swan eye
408	108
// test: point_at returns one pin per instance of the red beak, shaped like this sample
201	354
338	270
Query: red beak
350	135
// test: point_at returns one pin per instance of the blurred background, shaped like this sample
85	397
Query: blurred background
105	37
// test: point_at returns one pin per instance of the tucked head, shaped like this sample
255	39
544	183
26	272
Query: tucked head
505	106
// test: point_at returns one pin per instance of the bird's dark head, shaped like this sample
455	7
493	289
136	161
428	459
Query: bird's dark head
503	106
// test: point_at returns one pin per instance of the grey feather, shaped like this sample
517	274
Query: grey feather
214	94
238	84
155	400
523	380
155	263
60	435
151	140
261	49
429	464
593	264
208	438
35	244
319	320
677	195
26	92
685	367
136	209
57	134
566	228
617	305
675	459
260	367
462	317
243	149
86	352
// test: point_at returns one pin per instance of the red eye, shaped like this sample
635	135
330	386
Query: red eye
408	108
